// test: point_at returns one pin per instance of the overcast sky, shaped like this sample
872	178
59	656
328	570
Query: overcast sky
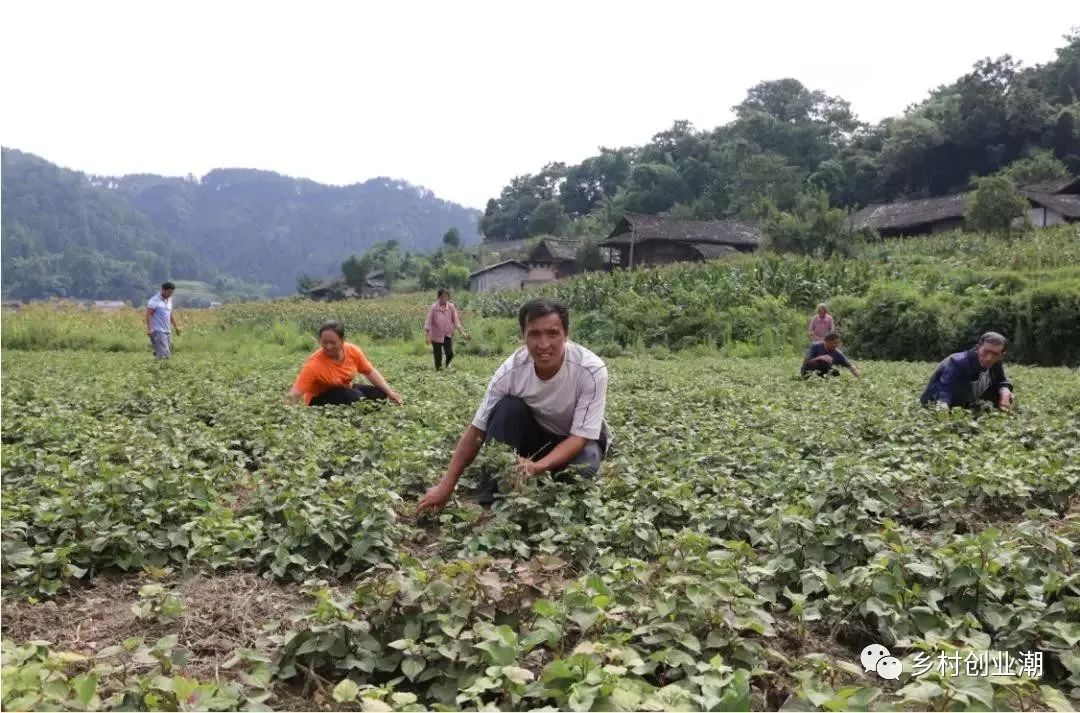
452	95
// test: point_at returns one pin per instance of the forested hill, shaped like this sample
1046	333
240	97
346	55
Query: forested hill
787	140
63	237
265	227
69	234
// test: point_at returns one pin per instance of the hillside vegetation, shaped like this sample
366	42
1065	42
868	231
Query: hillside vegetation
788	140
247	233
897	299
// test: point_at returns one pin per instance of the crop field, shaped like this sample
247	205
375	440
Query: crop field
175	538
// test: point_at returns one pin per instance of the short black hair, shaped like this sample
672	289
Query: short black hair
333	325
442	291
534	309
832	336
168	286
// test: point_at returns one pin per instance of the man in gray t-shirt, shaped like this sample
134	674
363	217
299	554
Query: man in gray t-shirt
160	321
546	401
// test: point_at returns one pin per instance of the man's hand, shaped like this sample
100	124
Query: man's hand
427	338
1005	399
150	333
464	334
825	358
178	331
395	397
525	469
435	498
528	468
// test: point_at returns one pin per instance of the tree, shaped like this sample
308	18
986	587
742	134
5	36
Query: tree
453	277
355	271
589	257
305	283
595	179
786	138
994	205
1041	166
784	117
763	177
508	216
1066	140
547	219
812	227
653	188
452	238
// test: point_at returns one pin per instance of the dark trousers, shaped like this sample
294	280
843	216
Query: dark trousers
446	345
963	395
512	422
342	396
821	369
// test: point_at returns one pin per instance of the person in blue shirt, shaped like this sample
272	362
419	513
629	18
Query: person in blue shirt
964	378
823	357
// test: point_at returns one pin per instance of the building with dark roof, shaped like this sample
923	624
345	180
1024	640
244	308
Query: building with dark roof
506	275
654	240
557	255
1051	203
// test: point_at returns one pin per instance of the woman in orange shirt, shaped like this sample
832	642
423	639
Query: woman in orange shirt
326	377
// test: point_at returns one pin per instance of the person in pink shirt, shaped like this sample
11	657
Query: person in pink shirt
442	320
821	324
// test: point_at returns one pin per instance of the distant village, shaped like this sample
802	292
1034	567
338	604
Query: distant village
648	240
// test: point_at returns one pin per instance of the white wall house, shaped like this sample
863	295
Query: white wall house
507	275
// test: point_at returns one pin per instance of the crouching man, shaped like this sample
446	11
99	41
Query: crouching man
964	378
546	402
823	357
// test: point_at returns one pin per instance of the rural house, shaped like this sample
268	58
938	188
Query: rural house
506	275
652	240
1051	203
539	276
559	256
919	217
336	289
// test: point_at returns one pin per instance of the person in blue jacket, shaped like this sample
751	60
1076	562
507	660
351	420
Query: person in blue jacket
964	378
823	357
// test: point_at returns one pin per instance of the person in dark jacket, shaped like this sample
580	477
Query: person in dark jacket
964	378
823	357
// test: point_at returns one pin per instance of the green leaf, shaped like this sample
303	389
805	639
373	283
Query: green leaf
499	654
412	667
1054	699
977	688
737	694
921	692
861	700
56	689
922	569
346	691
626	699
963	577
582	696
85	687
691	642
518	675
546	608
